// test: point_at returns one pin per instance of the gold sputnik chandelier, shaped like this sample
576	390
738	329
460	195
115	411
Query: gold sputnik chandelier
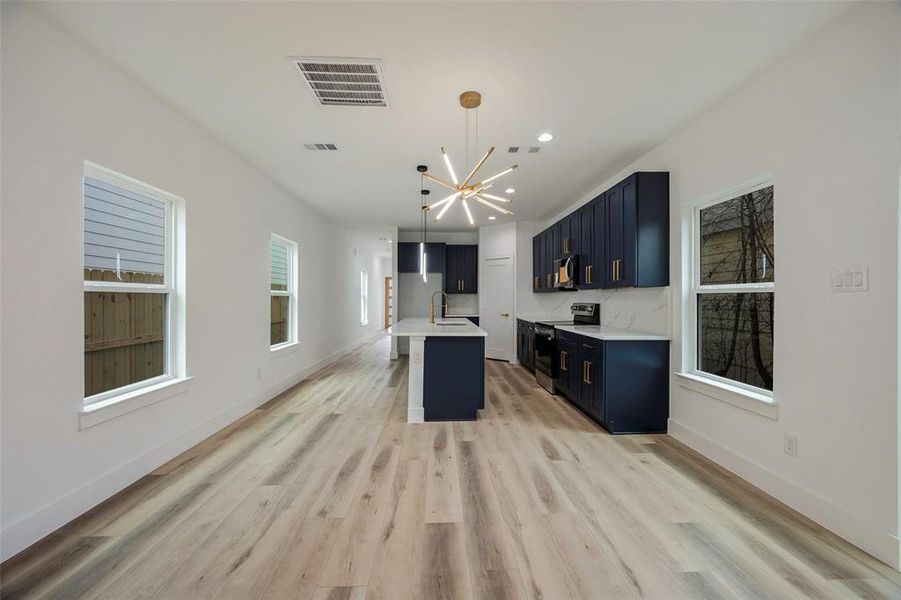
470	188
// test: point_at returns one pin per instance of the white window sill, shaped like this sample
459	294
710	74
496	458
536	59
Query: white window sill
104	410
760	404
283	349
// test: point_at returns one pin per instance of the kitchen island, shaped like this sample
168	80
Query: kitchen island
447	369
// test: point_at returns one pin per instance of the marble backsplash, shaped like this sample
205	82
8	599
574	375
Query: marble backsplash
636	309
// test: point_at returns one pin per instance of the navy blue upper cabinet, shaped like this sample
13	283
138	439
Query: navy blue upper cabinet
462	269
408	257
637	231
592	247
572	235
621	238
552	253
434	257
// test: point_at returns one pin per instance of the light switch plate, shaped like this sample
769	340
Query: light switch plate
851	280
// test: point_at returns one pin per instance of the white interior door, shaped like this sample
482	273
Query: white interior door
496	318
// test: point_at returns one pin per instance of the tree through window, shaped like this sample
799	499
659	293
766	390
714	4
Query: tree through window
734	288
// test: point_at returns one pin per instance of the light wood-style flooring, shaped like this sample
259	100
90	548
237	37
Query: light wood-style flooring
326	492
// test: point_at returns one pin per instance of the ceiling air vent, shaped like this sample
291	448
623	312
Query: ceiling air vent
320	146
533	149
513	149
343	81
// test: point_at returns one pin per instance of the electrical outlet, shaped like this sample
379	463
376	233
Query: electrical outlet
790	444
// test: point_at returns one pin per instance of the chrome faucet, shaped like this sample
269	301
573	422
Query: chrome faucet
432	305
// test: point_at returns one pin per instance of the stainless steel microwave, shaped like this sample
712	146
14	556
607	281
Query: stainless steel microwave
566	269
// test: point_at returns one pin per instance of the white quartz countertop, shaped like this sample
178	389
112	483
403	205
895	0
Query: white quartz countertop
610	334
533	318
420	327
456	314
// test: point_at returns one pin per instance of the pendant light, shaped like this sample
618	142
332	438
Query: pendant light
469	187
423	209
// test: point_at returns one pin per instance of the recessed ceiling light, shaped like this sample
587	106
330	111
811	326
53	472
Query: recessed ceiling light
545	137
509	191
491	218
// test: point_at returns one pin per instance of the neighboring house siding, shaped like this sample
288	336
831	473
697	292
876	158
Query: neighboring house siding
123	231
278	266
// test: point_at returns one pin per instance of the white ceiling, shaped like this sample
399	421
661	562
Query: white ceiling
609	80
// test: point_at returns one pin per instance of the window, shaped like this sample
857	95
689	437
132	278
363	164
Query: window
129	284
733	289
282	292
364	297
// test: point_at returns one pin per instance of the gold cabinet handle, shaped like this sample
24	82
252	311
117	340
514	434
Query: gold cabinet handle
563	360
586	372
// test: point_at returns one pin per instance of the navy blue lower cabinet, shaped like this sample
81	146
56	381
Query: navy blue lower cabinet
453	378
525	344
566	366
623	385
636	387
590	377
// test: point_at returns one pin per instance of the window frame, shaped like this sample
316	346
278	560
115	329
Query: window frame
168	287
291	269
364	297
696	288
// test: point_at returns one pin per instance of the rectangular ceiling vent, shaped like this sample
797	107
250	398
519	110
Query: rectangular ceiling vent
513	149
343	81
533	149
320	146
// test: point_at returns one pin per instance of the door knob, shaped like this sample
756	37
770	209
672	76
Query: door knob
505	314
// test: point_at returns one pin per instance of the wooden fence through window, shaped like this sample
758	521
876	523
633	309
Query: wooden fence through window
123	333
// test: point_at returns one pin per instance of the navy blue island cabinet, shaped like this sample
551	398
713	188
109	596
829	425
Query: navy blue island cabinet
453	378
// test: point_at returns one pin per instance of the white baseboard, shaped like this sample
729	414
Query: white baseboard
415	415
877	542
17	536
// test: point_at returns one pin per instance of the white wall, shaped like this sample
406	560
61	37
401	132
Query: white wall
825	121
62	105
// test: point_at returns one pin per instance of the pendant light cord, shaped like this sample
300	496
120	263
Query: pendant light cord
422	206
